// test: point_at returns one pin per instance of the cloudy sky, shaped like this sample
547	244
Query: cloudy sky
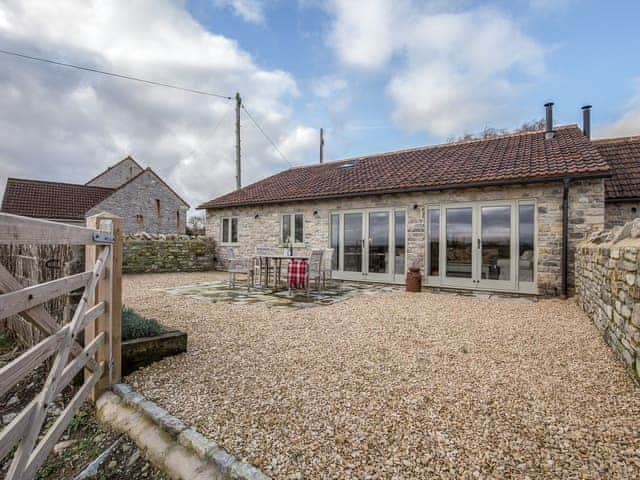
393	74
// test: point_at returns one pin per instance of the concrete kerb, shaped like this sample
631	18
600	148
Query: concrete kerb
168	443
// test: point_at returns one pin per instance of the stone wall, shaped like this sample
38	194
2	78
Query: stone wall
146	204
619	213
144	253
117	174
608	288
260	225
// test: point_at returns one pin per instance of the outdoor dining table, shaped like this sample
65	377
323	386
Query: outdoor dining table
277	264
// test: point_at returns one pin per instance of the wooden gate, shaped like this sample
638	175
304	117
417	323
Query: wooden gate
98	313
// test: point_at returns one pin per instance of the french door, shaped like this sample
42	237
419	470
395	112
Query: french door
483	245
369	245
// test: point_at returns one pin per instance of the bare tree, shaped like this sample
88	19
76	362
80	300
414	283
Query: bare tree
490	132
195	225
532	125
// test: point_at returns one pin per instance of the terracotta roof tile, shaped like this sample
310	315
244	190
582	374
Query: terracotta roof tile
507	158
36	198
623	155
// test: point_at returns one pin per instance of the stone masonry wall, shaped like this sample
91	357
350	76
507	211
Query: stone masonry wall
117	175
619	213
137	204
608	289
144	253
586	214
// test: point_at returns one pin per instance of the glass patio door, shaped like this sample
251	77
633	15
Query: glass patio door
369	245
486	245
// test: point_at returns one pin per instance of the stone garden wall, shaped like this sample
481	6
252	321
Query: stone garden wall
144	253
608	288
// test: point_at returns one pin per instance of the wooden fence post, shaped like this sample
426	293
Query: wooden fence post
109	290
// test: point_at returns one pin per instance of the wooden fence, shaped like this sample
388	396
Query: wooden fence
98	313
33	264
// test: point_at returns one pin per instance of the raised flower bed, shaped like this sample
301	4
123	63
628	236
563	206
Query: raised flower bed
145	341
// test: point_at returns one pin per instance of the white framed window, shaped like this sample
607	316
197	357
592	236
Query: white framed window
292	229
229	230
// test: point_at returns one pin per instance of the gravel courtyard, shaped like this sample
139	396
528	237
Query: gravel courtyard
397	386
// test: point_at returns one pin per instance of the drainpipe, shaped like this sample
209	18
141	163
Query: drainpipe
565	238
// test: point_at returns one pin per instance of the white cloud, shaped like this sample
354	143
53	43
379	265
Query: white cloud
299	142
328	86
362	35
627	124
250	10
449	72
65	125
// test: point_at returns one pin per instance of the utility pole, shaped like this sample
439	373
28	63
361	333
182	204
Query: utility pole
321	145
238	165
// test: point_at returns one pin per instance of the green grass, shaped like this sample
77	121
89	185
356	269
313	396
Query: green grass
135	325
6	341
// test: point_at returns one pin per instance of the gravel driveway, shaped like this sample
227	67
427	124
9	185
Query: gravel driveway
397	386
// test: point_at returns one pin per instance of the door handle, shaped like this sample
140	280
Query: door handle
479	243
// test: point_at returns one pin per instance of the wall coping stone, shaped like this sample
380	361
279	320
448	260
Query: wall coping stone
625	235
189	438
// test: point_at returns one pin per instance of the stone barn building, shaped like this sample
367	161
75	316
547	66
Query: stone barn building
138	195
496	214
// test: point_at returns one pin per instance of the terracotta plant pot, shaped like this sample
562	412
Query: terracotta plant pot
414	280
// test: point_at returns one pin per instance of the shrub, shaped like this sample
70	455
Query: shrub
135	325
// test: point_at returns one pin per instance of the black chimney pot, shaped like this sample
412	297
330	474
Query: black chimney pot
586	121
548	132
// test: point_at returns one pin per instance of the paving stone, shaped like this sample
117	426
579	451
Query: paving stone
220	291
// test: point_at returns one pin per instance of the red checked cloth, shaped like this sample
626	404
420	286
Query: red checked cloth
297	273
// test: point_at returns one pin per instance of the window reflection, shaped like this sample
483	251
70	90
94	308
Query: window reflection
286	229
399	256
378	242
496	243
335	240
353	242
526	238
459	236
433	226
298	226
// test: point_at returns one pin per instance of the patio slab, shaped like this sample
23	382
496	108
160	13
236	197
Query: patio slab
396	385
335	291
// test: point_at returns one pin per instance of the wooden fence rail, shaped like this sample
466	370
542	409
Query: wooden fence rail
98	314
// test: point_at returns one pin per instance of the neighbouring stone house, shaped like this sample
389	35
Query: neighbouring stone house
138	195
499	214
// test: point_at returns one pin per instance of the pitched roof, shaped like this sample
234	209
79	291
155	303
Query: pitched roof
504	159
37	198
623	155
128	157
65	201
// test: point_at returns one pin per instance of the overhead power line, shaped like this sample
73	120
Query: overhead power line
266	136
116	75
